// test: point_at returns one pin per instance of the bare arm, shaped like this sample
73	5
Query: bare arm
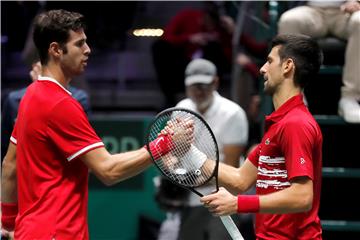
232	154
111	169
8	176
9	192
296	198
237	180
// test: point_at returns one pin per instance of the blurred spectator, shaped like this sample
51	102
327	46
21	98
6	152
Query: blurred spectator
230	126
340	19
191	34
11	105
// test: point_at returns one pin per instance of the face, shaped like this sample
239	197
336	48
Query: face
74	60
272	71
201	95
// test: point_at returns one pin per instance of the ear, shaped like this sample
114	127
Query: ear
55	50
288	66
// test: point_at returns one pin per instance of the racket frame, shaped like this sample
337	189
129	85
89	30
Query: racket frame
226	220
215	171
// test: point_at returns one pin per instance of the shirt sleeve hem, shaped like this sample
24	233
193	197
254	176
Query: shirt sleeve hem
13	140
85	150
301	175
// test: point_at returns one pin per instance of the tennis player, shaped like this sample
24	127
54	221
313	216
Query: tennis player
286	165
45	171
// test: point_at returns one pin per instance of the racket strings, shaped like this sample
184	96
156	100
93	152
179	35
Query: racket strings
180	164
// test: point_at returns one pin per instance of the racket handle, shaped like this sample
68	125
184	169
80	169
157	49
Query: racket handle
231	228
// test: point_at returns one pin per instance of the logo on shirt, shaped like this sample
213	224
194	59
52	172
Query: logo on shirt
267	141
302	161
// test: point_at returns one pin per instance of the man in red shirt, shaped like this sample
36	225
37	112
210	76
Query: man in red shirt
45	171
286	165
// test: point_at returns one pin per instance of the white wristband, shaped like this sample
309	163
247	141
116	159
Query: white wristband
195	157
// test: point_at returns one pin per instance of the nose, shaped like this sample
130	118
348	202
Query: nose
87	50
263	69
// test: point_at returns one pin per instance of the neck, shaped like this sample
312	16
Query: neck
279	98
56	73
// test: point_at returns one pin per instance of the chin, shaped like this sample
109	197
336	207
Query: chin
269	91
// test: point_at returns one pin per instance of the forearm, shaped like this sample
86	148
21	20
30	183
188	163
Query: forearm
125	165
9	207
230	178
290	200
237	180
8	181
8	187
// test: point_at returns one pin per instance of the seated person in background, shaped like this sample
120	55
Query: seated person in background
11	105
192	33
340	19
230	126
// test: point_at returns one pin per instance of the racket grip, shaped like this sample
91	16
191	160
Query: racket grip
231	228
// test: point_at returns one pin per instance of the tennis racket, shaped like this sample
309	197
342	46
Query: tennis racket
183	161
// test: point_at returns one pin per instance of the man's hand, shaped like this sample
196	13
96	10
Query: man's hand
177	132
35	71
181	131
221	203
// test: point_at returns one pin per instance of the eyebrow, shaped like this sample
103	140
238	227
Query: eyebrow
81	40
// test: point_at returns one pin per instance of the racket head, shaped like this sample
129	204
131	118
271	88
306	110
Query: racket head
175	165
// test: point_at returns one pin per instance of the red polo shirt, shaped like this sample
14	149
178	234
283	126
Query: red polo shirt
51	132
291	147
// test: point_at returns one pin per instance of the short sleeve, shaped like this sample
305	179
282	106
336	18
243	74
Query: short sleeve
296	142
69	129
13	137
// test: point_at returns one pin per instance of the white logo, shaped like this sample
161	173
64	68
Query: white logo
267	141
302	160
159	139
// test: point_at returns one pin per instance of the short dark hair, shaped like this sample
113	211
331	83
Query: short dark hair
304	51
55	26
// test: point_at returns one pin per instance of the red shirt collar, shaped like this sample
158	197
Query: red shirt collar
290	104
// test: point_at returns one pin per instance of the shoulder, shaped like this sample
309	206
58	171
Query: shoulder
230	108
300	120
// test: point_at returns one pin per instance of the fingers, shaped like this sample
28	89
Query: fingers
220	203
208	198
35	71
214	209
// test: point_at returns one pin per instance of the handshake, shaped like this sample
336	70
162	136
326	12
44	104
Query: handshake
174	146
